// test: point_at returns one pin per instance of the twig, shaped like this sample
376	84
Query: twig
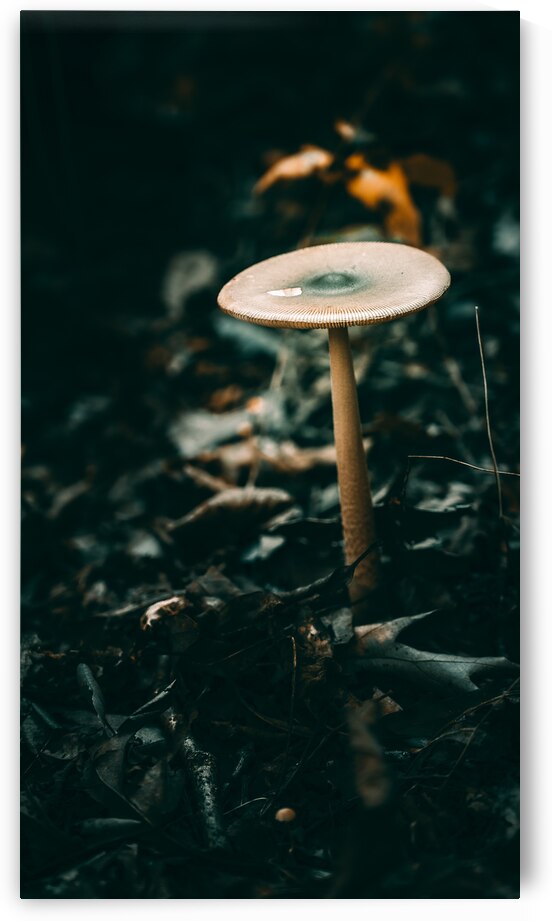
205	480
487	416
291	703
452	367
281	774
335	580
200	767
307	754
281	725
201	770
258	799
453	724
454	460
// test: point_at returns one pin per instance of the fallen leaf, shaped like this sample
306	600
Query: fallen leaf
307	161
284	456
160	609
263	548
158	792
340	623
196	432
421	169
88	682
248	340
186	274
383	655
182	629
386	187
228	516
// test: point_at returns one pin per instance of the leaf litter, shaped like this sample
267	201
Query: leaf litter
191	666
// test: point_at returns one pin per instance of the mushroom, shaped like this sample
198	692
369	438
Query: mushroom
332	287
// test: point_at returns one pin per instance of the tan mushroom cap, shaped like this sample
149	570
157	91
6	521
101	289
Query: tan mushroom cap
337	284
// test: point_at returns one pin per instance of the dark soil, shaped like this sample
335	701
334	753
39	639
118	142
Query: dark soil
189	661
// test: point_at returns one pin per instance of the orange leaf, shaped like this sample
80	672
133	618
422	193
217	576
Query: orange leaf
307	161
375	187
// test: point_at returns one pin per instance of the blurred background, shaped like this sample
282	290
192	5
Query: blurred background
162	153
143	136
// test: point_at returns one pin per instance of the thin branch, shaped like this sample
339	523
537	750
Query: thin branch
452	367
454	460
282	772
292	699
201	769
487	416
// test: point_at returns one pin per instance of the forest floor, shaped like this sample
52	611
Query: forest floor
203	714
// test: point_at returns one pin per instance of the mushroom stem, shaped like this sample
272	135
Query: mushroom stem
357	511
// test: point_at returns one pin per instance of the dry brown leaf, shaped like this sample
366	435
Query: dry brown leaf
375	187
284	456
386	704
180	628
307	161
229	515
233	458
422	169
156	612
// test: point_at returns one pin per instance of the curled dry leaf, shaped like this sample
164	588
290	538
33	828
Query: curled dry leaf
156	612
230	514
308	160
286	457
387	658
182	629
389	187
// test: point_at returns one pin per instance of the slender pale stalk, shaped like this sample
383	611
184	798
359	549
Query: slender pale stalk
357	511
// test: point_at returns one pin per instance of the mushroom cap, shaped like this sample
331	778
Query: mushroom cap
336	284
